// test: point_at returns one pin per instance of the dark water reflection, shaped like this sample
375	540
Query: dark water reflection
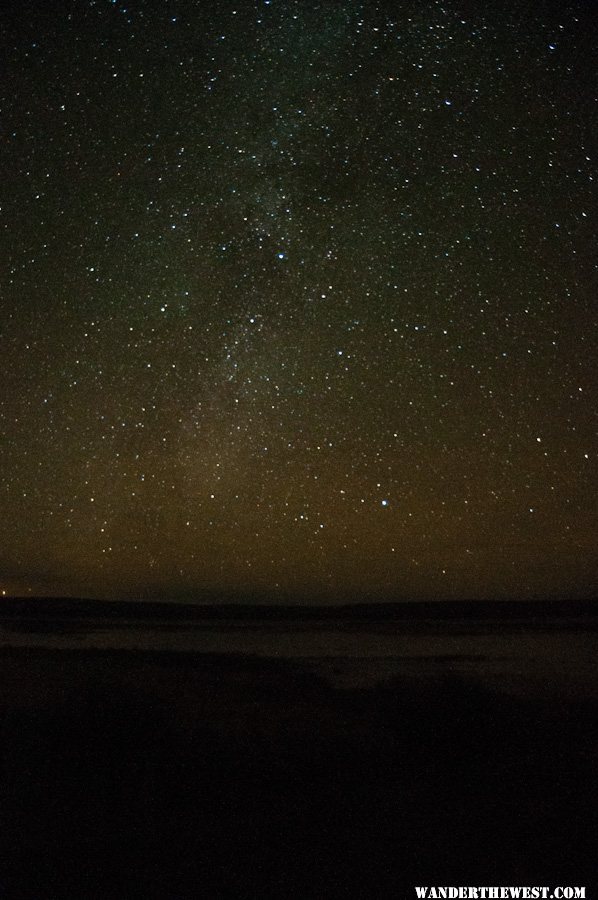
556	654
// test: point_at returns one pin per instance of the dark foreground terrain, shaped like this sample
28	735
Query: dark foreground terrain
174	775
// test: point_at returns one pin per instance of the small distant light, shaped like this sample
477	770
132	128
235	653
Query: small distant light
280	255
384	502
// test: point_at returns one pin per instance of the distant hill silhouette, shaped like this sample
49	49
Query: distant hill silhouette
501	610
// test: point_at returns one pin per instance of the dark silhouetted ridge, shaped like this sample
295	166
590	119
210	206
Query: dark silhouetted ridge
526	610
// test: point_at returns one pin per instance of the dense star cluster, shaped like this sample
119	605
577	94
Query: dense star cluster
298	297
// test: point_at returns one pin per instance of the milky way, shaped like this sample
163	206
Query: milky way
298	298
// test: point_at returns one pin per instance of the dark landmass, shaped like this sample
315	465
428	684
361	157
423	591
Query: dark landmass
167	775
530	610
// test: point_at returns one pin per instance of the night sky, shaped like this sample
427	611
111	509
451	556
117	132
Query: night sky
298	298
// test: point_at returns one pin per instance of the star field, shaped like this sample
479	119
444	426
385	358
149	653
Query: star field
298	298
